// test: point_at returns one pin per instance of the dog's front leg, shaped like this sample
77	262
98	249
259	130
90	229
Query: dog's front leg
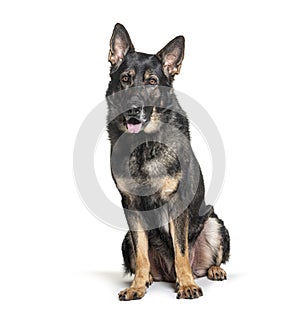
185	284
142	278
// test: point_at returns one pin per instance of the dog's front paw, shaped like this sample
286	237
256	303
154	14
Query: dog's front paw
188	291
132	293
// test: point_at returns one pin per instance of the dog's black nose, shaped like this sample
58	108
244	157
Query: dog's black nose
134	111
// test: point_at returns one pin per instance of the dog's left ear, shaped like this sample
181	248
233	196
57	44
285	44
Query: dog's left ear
172	55
120	44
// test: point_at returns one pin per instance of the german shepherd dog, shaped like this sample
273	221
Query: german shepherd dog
173	236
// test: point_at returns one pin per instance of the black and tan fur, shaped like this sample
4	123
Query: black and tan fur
190	241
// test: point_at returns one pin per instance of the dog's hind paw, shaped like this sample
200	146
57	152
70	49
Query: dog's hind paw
216	273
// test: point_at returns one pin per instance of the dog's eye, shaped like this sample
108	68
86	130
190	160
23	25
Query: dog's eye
125	78
152	81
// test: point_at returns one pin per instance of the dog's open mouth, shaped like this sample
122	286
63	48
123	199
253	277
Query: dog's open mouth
133	125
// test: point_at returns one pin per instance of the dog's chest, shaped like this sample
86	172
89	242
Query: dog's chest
148	174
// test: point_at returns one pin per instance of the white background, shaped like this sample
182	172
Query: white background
241	63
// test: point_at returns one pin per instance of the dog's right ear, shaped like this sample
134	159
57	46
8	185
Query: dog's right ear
120	44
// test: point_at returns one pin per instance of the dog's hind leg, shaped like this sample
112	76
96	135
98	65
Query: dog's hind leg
210	250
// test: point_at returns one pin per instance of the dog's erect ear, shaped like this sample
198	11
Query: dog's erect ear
171	56
120	44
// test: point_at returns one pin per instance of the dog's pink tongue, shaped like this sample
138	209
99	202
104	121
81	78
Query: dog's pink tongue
134	128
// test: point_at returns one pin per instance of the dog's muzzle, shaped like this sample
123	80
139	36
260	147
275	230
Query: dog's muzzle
134	115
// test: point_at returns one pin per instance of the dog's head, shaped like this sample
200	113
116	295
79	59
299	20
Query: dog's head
139	82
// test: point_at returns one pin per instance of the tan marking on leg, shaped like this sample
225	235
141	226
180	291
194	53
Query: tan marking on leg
186	286
142	278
